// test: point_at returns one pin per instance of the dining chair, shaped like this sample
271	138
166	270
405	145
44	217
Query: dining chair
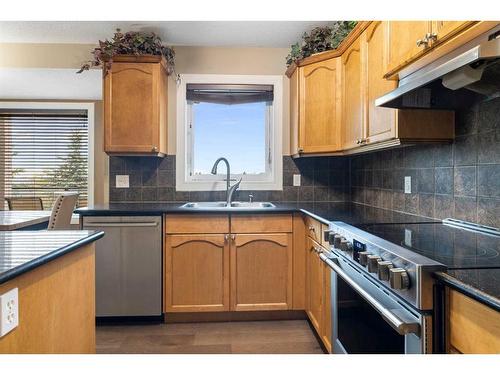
62	210
24	203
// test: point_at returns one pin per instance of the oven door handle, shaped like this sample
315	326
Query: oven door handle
399	324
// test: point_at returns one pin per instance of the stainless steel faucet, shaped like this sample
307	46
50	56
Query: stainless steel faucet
229	189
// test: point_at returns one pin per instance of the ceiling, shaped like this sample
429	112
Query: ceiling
188	33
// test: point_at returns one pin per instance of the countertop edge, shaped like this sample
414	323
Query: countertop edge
37	262
468	290
187	211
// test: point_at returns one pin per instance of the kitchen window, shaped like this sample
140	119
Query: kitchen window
45	151
236	117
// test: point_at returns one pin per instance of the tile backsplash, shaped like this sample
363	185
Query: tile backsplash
153	180
460	180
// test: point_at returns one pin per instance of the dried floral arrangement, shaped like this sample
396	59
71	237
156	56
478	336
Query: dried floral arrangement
129	43
320	39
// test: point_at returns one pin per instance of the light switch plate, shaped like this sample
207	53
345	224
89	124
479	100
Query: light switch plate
122	180
296	180
9	311
407	184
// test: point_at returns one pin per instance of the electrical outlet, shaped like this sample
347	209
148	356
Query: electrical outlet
122	180
408	237
407	184
296	180
9	311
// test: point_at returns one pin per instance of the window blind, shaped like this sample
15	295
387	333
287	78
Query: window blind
229	94
43	154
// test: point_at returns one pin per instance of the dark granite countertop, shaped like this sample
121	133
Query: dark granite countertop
22	251
482	285
350	213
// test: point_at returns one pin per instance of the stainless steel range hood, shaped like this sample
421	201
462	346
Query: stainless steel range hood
453	81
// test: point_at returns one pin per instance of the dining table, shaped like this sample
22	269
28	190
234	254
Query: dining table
24	220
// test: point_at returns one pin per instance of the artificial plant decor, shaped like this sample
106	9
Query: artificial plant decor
129	43
320	39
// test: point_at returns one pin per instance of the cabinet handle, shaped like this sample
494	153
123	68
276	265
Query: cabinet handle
300	149
233	237
432	37
362	141
311	228
423	42
154	149
226	237
125	224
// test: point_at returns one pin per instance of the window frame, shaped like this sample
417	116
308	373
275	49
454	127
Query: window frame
272	179
89	107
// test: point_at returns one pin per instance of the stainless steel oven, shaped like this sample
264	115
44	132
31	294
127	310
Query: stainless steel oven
367	320
378	295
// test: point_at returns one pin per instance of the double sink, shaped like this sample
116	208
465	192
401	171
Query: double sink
224	206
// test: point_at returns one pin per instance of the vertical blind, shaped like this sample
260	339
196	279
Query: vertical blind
44	153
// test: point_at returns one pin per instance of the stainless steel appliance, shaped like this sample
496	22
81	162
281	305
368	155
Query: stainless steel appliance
128	265
382	294
467	74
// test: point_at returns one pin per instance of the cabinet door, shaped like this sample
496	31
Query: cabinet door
352	90
380	123
314	288
326	331
446	29
403	36
320	107
196	273
261	272
131	108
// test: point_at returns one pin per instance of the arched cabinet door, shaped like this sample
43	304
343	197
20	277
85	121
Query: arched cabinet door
196	272
135	104
320	107
261	271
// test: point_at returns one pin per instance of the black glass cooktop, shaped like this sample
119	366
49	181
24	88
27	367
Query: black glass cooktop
457	248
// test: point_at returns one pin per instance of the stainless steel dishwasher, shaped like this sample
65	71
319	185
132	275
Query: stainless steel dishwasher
128	265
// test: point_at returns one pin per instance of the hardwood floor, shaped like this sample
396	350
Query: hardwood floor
258	337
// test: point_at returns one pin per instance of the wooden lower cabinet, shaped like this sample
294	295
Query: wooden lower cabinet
261	271
196	273
473	328
326	331
318	287
314	287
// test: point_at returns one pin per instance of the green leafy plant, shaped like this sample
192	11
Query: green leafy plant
320	39
130	43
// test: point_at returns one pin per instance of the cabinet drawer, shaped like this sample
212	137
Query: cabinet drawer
473	327
203	224
263	223
313	228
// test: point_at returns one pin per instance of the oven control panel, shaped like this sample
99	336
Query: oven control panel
373	262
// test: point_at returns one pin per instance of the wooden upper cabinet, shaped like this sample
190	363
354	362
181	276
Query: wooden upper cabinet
135	106
319	107
261	271
445	29
352	119
196	273
380	123
403	37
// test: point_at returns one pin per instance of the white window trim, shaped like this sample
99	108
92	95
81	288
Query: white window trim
183	182
89	107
